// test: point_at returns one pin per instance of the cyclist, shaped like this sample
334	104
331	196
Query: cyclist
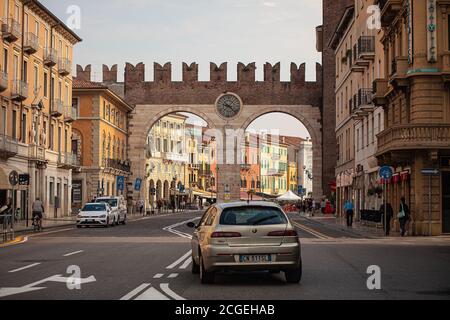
38	211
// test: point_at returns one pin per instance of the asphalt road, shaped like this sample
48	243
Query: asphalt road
148	259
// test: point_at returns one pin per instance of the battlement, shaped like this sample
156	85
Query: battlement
218	73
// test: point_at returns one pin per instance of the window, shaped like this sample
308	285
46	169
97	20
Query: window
24	128
448	32
14	124
45	85
36	29
5	60
3	123
36	77
52	193
51	136
75	106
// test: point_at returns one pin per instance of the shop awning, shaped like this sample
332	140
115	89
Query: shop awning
204	194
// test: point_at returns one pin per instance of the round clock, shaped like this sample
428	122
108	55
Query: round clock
229	105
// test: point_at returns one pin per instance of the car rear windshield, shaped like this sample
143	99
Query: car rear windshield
252	216
94	207
111	202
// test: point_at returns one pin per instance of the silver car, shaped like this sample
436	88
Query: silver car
245	236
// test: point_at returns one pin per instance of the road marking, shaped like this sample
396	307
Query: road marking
173	275
73	253
50	232
311	231
165	288
173	265
180	233
135	292
158	276
24	268
186	263
151	294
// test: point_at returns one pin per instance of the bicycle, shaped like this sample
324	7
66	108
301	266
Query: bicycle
37	226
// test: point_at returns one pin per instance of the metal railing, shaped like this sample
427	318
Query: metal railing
3	81
9	146
366	45
50	56
19	90
64	66
70	114
11	30
364	97
31	42
57	108
68	159
117	165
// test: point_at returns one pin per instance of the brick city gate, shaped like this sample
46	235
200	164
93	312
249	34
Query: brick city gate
161	97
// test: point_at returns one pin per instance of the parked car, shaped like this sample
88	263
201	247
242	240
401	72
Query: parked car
96	214
118	206
245	236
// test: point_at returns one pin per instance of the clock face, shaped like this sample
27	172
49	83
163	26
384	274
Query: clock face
229	106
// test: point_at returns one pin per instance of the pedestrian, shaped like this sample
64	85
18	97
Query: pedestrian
349	212
323	205
389	215
403	216
141	206
38	212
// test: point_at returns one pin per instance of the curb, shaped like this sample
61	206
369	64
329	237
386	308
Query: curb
17	240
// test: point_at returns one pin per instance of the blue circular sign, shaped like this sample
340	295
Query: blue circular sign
386	172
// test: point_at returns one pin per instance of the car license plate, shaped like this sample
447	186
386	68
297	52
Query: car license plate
255	258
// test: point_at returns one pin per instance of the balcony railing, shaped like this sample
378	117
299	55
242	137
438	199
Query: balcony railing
70	114
9	147
11	30
64	66
414	136
380	89
366	47
3	81
50	57
19	91
68	161
389	10
364	97
36	153
246	166
57	108
31	43
115	164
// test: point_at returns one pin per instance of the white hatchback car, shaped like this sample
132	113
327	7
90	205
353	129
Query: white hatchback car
96	214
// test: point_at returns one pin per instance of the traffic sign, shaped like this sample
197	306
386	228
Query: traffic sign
430	172
386	172
137	184
300	190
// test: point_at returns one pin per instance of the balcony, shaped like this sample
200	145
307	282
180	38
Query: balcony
118	165
31	43
366	48
399	72
64	66
277	172
9	147
68	161
380	89
36	153
50	57
3	81
389	11
19	91
11	30
57	108
246	167
414	136
193	166
446	66
70	114
365	99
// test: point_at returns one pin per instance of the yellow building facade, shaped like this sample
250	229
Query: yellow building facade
36	106
274	168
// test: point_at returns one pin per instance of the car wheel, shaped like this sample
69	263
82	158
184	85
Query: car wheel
294	276
205	276
195	268
79	227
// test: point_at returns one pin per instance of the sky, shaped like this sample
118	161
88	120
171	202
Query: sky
119	31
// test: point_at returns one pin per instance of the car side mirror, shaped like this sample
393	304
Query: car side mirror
192	225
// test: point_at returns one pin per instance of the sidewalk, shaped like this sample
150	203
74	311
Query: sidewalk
364	229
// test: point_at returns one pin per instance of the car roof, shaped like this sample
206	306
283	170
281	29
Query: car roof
238	204
95	203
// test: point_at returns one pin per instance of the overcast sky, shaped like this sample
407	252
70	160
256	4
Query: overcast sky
119	31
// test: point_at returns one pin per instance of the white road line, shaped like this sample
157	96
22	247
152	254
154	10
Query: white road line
165	288
173	275
24	268
186	263
158	276
151	294
50	232
173	265
136	291
73	253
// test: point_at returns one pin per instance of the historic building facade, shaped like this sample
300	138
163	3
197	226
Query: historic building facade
36	107
415	95
100	141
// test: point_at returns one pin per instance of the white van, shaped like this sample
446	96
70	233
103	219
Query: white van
118	206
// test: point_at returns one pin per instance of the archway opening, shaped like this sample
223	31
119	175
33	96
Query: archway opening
180	156
277	156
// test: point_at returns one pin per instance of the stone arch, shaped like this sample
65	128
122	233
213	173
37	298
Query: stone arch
310	117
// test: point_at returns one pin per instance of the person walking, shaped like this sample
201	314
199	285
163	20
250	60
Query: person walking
403	216
389	216
349	212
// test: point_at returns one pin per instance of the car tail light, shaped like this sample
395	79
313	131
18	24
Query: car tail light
226	235
286	233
